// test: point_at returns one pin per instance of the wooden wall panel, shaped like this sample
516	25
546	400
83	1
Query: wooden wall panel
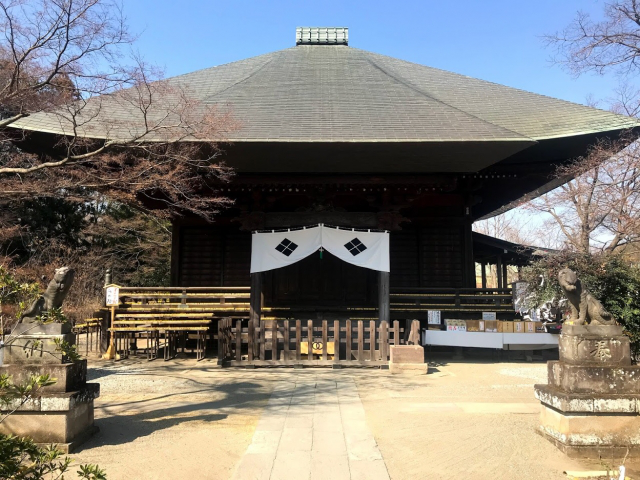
420	257
427	257
237	259
442	256
211	257
404	259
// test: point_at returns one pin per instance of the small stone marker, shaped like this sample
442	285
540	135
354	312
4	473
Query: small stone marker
407	359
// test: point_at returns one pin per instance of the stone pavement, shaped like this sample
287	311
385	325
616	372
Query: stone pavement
313	430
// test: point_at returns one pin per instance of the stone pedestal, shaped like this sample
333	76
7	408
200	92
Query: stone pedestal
591	404
407	359
61	413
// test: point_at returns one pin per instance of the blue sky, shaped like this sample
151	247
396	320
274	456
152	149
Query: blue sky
495	40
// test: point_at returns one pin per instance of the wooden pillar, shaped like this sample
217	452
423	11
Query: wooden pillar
469	268
384	305
483	270
256	299
499	271
505	278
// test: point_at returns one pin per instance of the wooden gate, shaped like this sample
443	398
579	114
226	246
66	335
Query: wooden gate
309	342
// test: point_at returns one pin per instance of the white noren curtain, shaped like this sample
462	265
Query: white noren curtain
367	249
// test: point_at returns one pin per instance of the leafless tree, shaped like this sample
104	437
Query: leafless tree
611	43
509	226
599	208
124	133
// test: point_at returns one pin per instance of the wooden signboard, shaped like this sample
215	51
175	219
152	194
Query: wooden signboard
112	295
434	317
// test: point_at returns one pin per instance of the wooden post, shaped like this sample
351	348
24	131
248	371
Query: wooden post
349	333
415	332
505	279
384	342
238	340
274	339
263	340
372	340
220	342
251	337
336	340
384	306
255	304
325	338
298	338
285	337
483	270
310	339
396	332
499	271
111	353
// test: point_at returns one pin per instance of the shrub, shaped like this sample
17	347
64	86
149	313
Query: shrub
610	278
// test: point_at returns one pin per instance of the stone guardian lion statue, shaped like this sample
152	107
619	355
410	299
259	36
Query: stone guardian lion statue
53	296
585	308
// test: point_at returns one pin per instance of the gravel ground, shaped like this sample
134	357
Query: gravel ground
187	419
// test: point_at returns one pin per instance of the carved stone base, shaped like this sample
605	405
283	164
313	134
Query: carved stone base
64	419
69	376
591	426
608	453
35	349
591	405
41	329
589	434
598	345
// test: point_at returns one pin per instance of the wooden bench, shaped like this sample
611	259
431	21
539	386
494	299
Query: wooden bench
170	326
173	314
88	327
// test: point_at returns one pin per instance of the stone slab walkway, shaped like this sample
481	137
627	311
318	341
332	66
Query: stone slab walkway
313	430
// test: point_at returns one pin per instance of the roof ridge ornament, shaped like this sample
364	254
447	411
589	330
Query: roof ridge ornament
322	36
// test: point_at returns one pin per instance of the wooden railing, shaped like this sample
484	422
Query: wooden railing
209	299
416	302
157	313
168	316
304	342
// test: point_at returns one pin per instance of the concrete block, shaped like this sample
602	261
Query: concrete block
36	349
59	427
56	401
406	354
41	329
69	376
593	379
602	331
586	402
591	429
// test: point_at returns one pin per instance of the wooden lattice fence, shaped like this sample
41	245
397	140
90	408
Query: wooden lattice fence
315	342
